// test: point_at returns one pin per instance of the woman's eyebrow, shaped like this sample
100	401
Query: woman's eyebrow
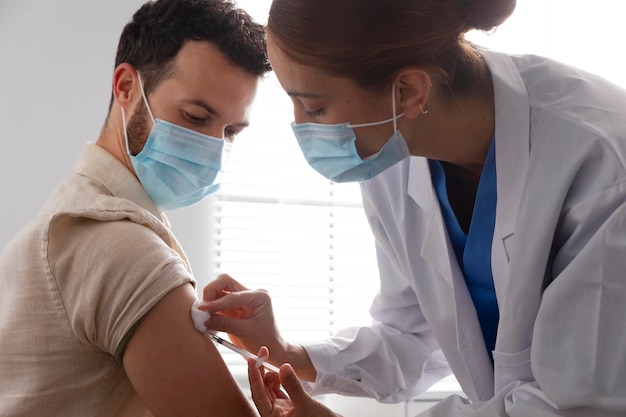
300	94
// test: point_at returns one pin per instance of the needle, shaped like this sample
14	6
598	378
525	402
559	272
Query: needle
242	352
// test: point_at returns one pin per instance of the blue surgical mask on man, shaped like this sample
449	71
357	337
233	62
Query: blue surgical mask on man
330	149
177	166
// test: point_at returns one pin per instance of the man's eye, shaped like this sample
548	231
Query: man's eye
230	133
195	119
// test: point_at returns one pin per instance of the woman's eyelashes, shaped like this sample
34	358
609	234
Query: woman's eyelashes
314	113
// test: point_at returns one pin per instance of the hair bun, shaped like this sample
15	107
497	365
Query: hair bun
487	14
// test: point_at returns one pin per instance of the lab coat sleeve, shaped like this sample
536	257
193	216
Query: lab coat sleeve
578	354
392	360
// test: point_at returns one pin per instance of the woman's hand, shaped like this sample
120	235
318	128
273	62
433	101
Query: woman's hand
271	401
248	318
246	315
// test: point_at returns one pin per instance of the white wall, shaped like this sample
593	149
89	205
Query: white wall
56	64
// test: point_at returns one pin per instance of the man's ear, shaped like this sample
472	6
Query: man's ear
124	90
413	85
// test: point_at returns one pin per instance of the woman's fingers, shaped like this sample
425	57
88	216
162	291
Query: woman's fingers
271	401
260	393
249	300
224	283
293	386
247	316
303	404
265	387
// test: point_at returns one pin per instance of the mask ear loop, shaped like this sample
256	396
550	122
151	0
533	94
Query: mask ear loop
393	119
125	131
124	114
145	99
393	107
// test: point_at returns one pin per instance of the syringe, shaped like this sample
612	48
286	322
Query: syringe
200	316
242	352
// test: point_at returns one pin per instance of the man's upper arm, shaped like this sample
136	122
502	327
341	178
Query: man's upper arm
176	370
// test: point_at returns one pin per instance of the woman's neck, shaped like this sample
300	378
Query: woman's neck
457	130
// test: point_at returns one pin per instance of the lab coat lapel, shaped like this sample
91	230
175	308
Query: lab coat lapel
512	134
512	137
421	190
475	371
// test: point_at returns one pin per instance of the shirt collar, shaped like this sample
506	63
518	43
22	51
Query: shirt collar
98	164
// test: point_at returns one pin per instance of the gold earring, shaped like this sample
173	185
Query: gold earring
424	109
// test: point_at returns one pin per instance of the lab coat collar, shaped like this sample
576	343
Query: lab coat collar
512	141
512	135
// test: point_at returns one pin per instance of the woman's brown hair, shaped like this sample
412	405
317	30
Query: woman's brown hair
368	41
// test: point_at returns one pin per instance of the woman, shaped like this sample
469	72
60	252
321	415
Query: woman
495	186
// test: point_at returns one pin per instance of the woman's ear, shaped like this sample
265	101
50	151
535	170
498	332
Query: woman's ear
414	88
124	79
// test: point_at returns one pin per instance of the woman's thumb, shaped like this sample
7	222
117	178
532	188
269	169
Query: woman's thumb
292	385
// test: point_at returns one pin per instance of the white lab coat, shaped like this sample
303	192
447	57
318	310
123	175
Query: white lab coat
558	260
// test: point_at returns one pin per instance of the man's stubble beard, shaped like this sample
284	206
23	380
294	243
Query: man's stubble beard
138	129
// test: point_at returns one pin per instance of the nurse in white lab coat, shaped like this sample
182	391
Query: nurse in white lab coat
519	162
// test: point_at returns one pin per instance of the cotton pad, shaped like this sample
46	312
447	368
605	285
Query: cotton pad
199	316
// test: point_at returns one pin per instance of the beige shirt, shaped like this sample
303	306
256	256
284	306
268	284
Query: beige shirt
73	284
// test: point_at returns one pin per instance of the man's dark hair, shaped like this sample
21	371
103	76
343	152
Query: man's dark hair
157	31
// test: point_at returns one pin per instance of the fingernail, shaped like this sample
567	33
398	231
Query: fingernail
287	370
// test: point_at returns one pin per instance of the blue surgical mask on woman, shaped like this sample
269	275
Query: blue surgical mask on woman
177	166
330	149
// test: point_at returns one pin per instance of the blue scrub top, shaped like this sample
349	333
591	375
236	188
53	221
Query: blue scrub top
473	250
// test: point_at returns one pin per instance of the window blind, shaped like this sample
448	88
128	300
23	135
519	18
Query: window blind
279	225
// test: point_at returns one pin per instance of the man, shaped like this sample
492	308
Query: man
95	293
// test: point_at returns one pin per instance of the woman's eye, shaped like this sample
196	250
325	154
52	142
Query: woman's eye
315	113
